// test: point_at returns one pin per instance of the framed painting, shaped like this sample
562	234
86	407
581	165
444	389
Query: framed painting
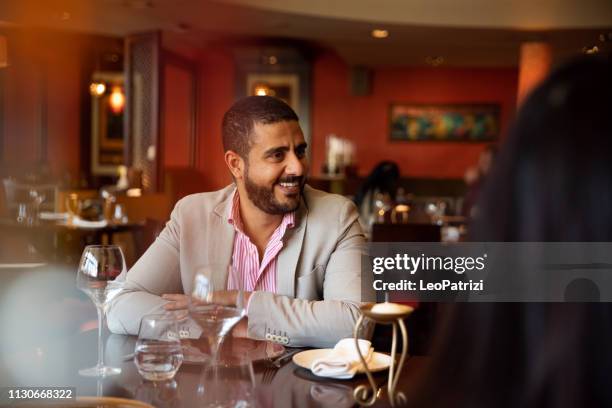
107	130
282	86
447	123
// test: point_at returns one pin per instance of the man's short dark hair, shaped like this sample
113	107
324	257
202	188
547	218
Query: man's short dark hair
239	120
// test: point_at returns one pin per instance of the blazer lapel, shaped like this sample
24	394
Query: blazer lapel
221	238
290	254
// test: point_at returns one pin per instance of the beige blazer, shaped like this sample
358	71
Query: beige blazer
319	280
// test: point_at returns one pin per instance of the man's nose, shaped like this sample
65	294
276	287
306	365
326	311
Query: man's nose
295	165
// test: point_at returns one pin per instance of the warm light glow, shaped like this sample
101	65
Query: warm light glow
97	88
261	90
402	208
3	52
117	100
535	60
134	192
380	33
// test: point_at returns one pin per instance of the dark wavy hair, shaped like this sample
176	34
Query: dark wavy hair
552	181
239	120
383	177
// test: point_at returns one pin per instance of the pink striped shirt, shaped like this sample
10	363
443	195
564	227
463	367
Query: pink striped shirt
246	270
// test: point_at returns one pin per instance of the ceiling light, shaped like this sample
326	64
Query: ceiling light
380	33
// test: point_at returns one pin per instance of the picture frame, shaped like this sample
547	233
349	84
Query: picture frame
282	86
107	126
444	122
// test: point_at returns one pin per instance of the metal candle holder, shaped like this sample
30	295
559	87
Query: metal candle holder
394	315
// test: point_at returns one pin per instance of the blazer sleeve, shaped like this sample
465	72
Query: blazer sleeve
155	273
320	323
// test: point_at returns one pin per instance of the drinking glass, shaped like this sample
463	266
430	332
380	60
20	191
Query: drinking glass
158	353
99	267
37	197
216	318
73	206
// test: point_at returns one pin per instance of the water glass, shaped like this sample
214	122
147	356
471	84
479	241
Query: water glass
158	354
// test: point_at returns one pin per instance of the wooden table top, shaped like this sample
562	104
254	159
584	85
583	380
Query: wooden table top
57	364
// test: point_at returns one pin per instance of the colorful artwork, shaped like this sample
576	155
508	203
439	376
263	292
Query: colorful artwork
449	123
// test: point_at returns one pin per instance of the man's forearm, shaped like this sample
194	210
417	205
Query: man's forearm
299	322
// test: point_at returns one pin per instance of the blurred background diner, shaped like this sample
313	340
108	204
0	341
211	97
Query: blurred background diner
110	112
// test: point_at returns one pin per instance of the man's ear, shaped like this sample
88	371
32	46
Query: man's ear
235	164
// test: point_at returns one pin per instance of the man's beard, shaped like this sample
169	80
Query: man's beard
264	199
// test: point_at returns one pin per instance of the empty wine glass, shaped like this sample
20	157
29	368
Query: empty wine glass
99	267
216	317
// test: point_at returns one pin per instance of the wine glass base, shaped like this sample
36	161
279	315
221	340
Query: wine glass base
100	371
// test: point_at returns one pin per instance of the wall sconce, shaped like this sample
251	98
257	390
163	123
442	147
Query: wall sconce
117	100
262	89
97	88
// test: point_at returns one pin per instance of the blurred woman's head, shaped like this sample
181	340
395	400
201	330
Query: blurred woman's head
383	179
551	181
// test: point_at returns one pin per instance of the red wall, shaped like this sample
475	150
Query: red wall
364	119
43	75
216	95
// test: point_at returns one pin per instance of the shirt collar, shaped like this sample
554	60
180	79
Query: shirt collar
234	218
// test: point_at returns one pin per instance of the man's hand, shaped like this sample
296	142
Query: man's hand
230	297
221	297
177	302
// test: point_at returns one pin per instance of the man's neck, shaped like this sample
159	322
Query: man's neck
257	224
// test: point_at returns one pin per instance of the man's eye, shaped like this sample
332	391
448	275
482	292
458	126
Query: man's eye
300	153
278	155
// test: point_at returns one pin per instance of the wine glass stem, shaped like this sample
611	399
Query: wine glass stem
100	344
215	345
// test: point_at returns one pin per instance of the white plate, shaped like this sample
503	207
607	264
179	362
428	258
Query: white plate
378	362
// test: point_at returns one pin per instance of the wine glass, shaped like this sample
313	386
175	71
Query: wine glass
237	375
215	317
98	268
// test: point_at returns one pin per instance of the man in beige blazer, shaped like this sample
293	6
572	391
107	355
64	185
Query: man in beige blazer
318	279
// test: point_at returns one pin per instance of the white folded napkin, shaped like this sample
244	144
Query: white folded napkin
342	361
81	223
53	216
